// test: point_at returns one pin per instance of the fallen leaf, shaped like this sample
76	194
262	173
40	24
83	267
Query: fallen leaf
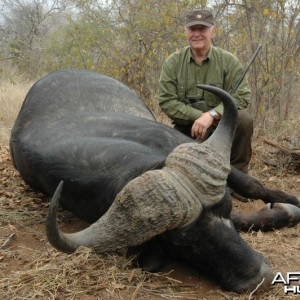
12	228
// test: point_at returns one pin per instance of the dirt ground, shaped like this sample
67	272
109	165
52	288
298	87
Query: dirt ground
32	269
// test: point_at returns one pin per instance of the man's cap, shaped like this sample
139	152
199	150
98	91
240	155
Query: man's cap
199	17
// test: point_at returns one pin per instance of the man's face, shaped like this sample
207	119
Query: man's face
199	36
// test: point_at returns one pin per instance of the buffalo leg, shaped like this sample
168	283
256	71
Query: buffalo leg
267	219
249	187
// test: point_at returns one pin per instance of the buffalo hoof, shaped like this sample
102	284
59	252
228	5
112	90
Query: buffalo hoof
292	211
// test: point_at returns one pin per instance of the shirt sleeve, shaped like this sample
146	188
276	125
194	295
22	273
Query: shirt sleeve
168	94
242	95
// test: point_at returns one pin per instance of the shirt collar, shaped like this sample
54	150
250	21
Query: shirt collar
191	54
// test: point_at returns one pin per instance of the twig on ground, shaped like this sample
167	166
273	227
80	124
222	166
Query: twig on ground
250	296
7	240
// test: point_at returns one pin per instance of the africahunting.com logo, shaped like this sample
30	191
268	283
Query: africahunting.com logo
290	282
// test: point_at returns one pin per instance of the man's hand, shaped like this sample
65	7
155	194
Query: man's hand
201	125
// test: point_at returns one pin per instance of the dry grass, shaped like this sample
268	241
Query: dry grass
55	275
32	269
11	99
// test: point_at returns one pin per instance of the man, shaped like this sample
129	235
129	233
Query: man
193	111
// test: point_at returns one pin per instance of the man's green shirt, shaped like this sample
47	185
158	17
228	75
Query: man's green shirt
180	74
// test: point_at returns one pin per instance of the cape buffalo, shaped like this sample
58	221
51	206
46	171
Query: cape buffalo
93	142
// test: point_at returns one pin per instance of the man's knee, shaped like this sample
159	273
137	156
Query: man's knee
245	121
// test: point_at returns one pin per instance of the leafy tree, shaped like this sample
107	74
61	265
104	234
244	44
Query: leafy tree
130	39
275	25
26	26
